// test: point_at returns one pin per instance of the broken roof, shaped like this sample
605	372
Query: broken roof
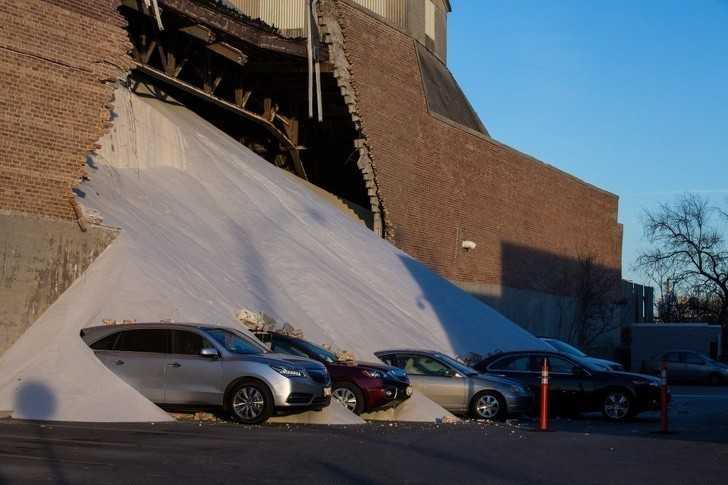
443	93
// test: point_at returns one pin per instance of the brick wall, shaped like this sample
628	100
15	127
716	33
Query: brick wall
58	60
442	185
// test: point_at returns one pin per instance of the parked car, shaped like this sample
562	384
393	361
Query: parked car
687	365
205	365
577	385
360	386
561	346
459	388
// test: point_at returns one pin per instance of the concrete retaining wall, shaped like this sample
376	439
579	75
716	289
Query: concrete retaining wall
39	259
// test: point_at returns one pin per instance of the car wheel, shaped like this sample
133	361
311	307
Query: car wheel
617	405
488	405
250	402
350	396
714	380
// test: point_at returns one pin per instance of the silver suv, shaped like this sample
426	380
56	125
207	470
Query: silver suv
202	365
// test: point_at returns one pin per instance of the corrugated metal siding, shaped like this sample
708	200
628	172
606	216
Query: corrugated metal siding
430	11
251	8
286	15
394	11
289	15
441	34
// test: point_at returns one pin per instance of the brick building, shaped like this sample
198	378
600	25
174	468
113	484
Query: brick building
399	141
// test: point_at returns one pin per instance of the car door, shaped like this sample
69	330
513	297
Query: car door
139	357
190	377
436	380
696	368
569	387
675	365
523	368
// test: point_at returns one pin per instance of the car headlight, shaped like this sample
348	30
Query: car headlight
289	371
374	374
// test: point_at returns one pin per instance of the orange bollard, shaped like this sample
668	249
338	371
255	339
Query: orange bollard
543	422
663	398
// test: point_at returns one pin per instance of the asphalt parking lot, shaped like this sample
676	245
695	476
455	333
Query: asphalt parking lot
582	450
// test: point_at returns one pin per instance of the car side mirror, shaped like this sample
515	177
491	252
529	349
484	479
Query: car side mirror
210	352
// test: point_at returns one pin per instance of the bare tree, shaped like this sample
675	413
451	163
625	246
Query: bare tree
596	292
590	310
689	246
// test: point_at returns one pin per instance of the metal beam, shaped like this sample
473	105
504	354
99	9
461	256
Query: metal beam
290	146
200	32
240	29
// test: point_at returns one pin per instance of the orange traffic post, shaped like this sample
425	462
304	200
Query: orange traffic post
543	422
663	398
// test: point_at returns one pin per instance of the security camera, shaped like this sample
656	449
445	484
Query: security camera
468	245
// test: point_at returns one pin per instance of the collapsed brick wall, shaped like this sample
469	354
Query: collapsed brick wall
443	185
59	60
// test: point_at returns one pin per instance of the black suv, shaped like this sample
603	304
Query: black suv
576	385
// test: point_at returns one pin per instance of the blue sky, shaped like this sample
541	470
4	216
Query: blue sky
629	95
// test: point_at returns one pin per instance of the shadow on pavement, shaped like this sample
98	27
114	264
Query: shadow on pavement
689	420
37	401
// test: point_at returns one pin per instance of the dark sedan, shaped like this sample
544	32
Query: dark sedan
576	385
360	386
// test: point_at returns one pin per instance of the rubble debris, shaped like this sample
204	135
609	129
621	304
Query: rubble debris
341	355
260	322
110	321
200	416
470	358
256	321
90	216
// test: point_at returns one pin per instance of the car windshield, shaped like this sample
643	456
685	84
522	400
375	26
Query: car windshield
458	366
588	365
316	352
564	347
235	342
